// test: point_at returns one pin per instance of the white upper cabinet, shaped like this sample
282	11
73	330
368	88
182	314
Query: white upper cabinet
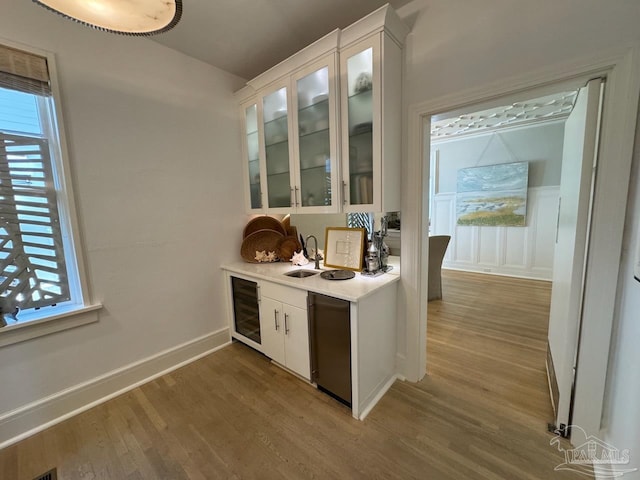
371	112
296	105
325	124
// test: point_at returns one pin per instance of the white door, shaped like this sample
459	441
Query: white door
296	340
271	329
578	160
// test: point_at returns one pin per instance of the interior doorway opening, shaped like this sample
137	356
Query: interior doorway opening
490	331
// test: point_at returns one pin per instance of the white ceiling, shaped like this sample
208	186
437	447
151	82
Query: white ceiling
247	37
540	109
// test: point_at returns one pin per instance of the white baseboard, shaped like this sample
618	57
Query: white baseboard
370	403
46	412
544	276
401	363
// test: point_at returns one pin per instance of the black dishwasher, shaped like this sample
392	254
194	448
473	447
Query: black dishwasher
330	340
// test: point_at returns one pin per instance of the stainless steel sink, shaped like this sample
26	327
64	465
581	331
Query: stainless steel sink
301	273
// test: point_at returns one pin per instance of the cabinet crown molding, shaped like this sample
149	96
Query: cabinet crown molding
244	94
385	19
325	45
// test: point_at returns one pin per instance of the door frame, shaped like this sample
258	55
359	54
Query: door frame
622	69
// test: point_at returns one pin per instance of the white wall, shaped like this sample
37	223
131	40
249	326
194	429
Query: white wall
540	145
153	141
621	413
455	45
517	251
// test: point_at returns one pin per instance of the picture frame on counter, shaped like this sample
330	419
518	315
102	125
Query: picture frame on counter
344	248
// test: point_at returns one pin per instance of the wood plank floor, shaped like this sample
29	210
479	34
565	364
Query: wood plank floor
235	415
489	333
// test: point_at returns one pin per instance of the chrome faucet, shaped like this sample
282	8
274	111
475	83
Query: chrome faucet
316	255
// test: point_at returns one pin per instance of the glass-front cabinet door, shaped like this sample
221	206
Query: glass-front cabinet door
277	152
316	127
252	152
371	124
361	138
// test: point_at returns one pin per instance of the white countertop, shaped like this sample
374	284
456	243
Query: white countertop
353	290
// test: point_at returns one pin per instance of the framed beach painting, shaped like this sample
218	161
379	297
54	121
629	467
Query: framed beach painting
493	195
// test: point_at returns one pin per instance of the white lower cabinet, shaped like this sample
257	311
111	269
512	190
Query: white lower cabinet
272	318
284	327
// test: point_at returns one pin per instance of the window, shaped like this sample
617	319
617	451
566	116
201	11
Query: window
361	220
39	275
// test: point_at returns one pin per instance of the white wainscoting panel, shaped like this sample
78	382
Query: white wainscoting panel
516	251
515	245
546	222
488	246
464	249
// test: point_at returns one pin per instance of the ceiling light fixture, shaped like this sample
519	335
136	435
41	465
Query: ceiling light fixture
126	17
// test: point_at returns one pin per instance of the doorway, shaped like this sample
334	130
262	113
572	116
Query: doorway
608	220
496	178
489	330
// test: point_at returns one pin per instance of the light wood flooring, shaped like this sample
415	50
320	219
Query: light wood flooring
489	334
235	415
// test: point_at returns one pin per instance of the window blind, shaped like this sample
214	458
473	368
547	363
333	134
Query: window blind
24	71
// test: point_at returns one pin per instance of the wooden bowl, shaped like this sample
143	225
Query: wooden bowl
287	246
262	240
263	222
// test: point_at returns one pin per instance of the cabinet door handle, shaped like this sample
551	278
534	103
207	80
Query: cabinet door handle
275	319
258	293
296	195
286	324
344	193
292	201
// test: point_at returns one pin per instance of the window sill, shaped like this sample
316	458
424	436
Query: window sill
64	319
